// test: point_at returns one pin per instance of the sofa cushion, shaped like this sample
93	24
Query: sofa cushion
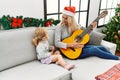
36	71
88	68
16	47
96	38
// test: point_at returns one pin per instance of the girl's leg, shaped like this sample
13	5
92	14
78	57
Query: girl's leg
59	59
90	50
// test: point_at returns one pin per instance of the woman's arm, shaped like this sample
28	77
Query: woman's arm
58	38
60	44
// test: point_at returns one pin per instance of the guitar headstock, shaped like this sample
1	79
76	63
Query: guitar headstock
103	14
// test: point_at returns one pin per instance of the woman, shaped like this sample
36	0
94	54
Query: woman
65	29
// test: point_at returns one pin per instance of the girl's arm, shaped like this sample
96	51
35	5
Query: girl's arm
51	49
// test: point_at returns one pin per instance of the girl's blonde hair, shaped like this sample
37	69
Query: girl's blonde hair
72	25
39	34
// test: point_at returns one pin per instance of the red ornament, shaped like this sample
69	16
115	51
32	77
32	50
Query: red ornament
14	25
116	37
48	23
17	22
14	19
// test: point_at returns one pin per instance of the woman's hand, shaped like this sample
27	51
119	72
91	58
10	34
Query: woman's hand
76	45
94	24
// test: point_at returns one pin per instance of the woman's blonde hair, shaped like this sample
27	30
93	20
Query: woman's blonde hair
72	25
40	32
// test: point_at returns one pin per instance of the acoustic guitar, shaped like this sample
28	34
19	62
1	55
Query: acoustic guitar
80	36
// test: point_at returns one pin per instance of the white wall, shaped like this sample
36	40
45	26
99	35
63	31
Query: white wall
93	12
26	8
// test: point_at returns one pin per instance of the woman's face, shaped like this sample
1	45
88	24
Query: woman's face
64	19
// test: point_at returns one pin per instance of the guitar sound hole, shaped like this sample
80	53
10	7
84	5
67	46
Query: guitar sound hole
78	38
72	49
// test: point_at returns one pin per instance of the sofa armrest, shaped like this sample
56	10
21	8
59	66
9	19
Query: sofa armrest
110	46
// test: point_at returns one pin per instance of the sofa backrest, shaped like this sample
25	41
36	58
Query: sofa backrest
16	46
51	31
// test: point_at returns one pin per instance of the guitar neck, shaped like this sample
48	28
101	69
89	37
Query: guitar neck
89	28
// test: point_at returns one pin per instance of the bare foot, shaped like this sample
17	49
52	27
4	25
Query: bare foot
69	67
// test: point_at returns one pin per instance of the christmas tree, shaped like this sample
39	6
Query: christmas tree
112	29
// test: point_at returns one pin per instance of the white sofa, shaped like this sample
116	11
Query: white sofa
18	59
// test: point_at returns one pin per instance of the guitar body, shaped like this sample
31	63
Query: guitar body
70	53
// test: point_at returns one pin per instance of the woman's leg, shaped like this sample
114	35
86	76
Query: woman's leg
103	48
90	50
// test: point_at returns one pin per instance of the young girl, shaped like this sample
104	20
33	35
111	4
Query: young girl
46	53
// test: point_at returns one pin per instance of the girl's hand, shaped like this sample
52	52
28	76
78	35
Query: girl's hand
52	48
57	52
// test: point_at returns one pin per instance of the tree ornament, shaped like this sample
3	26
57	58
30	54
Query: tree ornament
116	37
118	31
118	4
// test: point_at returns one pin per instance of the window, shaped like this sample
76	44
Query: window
54	8
110	6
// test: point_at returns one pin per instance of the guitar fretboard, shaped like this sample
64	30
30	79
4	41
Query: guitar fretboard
89	28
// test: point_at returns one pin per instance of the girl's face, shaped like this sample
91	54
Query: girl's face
64	19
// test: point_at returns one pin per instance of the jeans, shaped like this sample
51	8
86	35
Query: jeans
98	51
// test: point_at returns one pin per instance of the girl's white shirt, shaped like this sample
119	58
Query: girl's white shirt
43	50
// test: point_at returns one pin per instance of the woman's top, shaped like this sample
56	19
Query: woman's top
43	50
61	32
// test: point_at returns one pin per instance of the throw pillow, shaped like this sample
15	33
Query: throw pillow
96	38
